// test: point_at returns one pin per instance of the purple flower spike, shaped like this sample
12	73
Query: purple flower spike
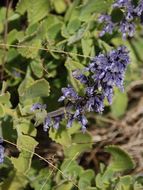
126	25
1	151
107	72
104	73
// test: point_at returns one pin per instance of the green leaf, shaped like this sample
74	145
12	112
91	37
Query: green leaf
103	180
36	66
60	6
26	145
15	181
135	46
66	186
13	35
40	116
65	32
121	160
71	169
72	11
26	83
21	6
41	179
93	6
120	102
88	174
39	88
85	179
54	31
7	127
75	128
124	183
86	46
71	66
5	99
60	136
2	111
73	26
80	143
25	127
30	48
37	10
77	36
137	186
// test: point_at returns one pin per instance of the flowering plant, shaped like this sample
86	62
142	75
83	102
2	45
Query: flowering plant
65	69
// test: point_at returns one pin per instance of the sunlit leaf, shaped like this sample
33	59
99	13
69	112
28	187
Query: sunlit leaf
121	159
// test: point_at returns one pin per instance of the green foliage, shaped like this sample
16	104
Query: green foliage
36	10
108	179
120	102
46	40
93	6
41	179
71	66
122	160
80	143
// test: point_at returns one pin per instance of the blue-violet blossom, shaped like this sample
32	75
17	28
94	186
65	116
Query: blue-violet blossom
126	25
1	151
99	78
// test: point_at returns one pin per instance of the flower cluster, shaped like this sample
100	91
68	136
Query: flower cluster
74	106
1	151
126	26
53	120
99	78
108	71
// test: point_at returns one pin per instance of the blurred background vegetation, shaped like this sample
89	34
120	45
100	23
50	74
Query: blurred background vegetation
41	43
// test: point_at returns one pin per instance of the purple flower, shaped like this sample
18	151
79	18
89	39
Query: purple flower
139	8
90	91
38	106
126	25
79	76
107	71
95	103
127	28
47	123
121	3
57	121
70	119
1	151
109	25
68	93
130	13
104	18
81	119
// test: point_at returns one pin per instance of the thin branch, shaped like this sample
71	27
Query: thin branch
5	45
